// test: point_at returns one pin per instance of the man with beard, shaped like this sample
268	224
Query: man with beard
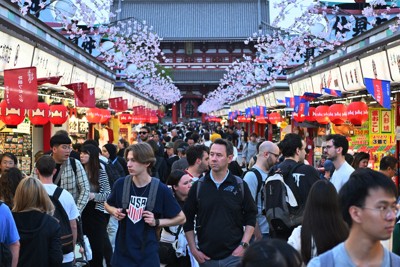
197	158
255	178
144	133
336	149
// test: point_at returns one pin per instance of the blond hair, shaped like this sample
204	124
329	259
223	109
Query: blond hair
31	195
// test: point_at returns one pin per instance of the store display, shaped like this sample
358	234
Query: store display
21	146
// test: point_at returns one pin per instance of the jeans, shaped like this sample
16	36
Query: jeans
230	261
112	230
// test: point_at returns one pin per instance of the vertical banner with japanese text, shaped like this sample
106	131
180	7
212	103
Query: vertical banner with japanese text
21	88
381	127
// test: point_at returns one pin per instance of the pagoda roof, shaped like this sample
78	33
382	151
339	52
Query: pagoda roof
197	76
198	20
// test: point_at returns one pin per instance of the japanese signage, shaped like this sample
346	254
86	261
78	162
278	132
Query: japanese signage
352	76
381	129
376	66
302	86
394	62
103	89
329	79
14	53
21	88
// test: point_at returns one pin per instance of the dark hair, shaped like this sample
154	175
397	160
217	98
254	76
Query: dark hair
147	128
253	134
9	155
153	145
207	136
9	181
359	157
195	136
271	253
46	165
124	142
322	220
349	158
195	152
177	144
356	189
228	145
174	178
339	140
386	162
93	166
112	150
290	144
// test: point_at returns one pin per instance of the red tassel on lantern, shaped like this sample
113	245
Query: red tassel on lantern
357	113
337	114
40	115
11	116
321	114
58	114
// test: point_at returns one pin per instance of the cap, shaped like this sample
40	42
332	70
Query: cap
59	139
169	145
183	147
328	165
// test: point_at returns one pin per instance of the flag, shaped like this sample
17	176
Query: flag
84	96
247	112
297	100
332	92
310	96
304	105
280	101
380	91
114	102
289	102
51	80
20	88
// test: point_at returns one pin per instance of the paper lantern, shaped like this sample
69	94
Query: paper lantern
337	114
357	113
311	114
321	114
298	118
125	118
105	116
153	119
11	116
93	115
40	115
58	114
261	120
275	117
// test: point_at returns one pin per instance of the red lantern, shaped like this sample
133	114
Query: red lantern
58	114
298	118
40	115
337	114
321	114
311	114
105	116
11	116
357	113
261	120
125	118
93	115
275	117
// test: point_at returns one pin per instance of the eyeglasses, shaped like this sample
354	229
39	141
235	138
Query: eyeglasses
276	155
385	210
328	147
66	147
142	132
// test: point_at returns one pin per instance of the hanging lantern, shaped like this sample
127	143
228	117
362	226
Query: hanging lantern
105	116
357	113
261	120
93	115
298	118
311	114
337	114
275	117
125	118
40	115
321	114
11	116
58	114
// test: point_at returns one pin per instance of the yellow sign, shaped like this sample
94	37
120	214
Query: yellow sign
381	127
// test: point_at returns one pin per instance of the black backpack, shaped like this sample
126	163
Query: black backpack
281	198
63	220
260	189
5	253
114	171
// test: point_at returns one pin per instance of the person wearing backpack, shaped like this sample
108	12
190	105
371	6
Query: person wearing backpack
67	213
9	238
297	176
141	204
224	211
368	201
255	178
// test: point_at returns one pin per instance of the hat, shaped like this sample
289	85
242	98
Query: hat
112	150
169	145
59	139
328	165
183	147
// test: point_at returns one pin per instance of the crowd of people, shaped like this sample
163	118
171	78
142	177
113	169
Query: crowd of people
179	196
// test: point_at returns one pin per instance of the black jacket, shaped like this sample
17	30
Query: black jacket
221	215
39	238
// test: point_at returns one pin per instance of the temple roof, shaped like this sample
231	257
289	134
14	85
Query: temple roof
197	76
198	20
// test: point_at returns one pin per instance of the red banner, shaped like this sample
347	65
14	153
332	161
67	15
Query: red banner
21	88
113	103
124	105
84	97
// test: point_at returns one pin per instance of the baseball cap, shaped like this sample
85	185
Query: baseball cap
328	165
169	145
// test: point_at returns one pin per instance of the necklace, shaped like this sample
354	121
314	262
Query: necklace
144	191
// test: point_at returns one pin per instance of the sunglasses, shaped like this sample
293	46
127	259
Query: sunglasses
142	132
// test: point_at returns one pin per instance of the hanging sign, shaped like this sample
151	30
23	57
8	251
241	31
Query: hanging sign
381	132
21	88
14	53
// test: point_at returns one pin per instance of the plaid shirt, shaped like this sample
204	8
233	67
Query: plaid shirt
78	186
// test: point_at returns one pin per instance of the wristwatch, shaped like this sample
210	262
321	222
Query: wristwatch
157	222
244	244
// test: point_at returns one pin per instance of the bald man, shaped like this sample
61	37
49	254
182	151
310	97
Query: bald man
255	178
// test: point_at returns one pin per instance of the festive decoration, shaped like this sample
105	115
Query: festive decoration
39	116
94	115
275	117
125	118
105	116
337	114
311	114
58	114
298	118
11	116
357	113
321	114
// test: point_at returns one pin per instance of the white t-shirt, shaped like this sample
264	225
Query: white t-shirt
341	176
69	205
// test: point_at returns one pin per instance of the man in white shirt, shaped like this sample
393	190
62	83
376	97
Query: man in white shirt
336	148
45	169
